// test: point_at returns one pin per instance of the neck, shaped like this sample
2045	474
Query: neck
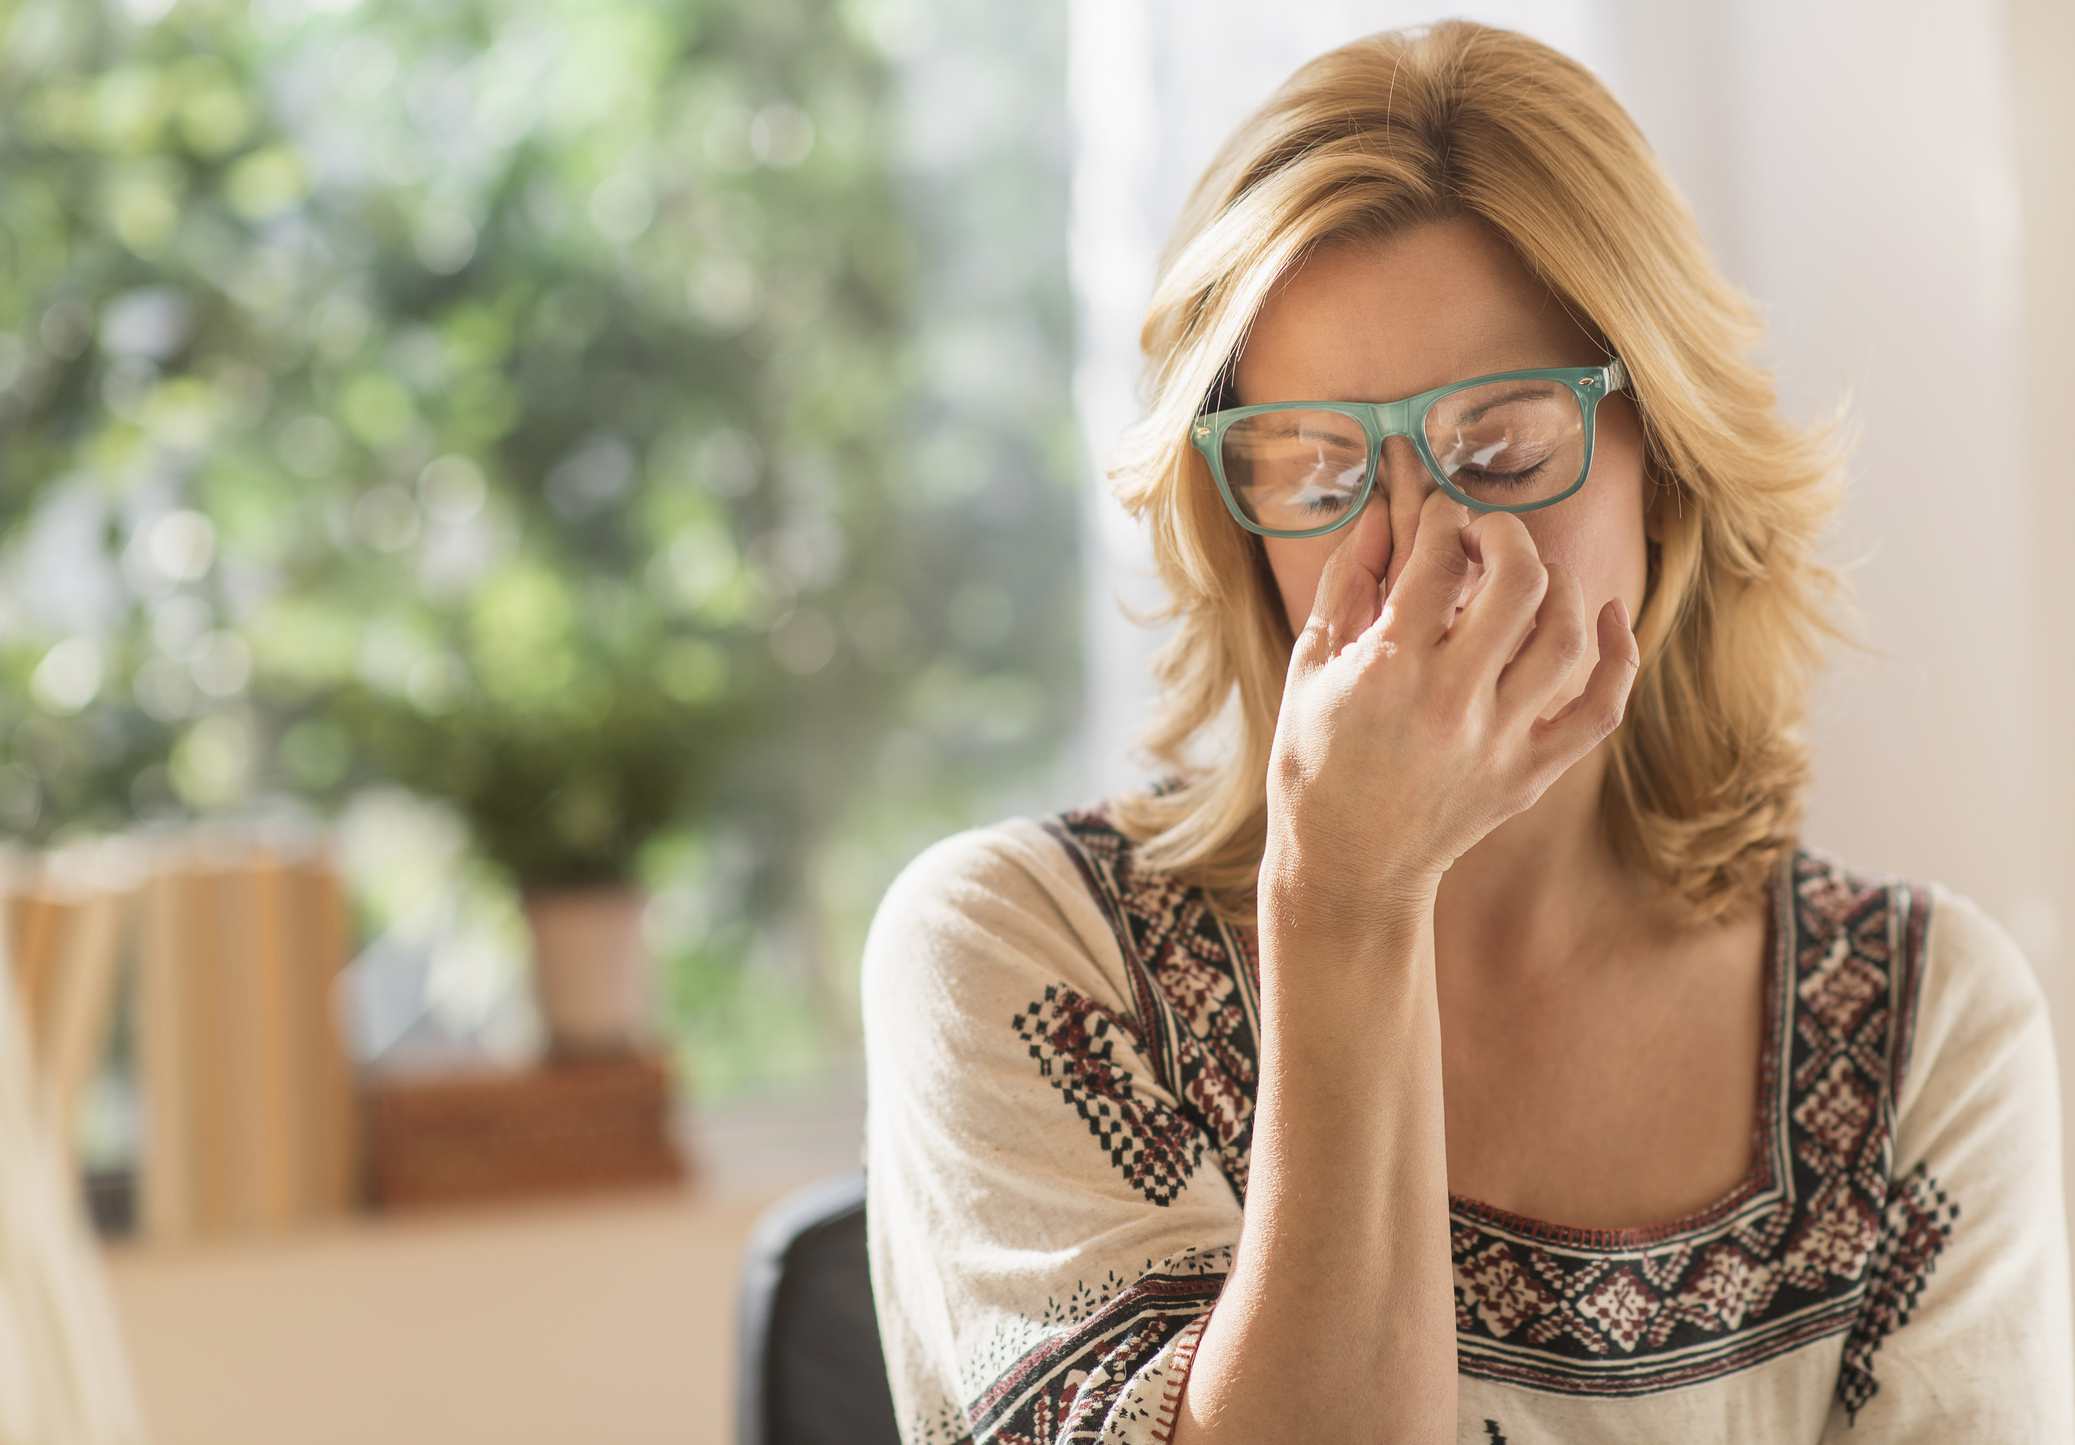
1543	893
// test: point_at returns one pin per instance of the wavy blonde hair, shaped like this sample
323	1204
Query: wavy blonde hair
1704	788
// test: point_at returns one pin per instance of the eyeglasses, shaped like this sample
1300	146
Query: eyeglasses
1511	441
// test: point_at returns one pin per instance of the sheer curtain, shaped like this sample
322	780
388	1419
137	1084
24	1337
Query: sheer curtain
1882	179
64	1368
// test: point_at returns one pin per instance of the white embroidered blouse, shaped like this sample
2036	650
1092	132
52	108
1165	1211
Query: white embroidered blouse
1061	1073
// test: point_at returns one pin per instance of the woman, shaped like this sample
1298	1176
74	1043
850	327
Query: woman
1471	1048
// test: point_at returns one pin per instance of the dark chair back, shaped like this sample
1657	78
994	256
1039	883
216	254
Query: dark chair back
811	1368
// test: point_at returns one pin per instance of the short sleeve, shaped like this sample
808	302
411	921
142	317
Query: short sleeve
1964	1332
1046	1225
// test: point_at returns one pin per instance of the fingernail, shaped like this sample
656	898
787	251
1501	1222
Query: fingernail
1621	610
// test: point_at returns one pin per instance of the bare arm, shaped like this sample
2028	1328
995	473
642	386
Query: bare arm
1409	728
1338	1322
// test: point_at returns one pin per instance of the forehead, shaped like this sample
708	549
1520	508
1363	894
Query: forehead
1368	320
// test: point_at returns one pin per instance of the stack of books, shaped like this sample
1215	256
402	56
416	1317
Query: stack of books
490	1132
230	949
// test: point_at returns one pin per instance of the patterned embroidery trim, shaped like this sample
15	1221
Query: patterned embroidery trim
1914	902
1588	1312
1056	1383
1158	1043
1178	1379
1920	1216
1177	958
1763	1176
1650	1374
1072	1038
1920	1219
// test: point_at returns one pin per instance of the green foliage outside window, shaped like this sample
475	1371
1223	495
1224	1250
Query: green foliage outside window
621	422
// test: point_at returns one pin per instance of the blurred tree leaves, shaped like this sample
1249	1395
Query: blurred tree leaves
602	414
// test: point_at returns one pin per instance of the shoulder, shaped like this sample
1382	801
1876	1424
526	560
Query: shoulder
1969	947
1956	985
979	875
1978	998
993	911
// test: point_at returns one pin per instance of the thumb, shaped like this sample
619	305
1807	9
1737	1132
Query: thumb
1350	587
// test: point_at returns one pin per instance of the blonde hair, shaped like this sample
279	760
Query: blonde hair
1706	772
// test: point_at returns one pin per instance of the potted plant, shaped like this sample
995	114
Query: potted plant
561	789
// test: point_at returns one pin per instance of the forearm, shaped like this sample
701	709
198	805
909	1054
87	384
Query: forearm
1338	1322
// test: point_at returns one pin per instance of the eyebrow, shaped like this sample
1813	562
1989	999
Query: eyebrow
1519	391
1227	393
1511	393
1290	429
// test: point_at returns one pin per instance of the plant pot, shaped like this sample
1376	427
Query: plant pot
593	975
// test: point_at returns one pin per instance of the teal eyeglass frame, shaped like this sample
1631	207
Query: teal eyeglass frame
1407	417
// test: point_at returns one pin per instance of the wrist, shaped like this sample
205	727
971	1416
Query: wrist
1328	904
1342	965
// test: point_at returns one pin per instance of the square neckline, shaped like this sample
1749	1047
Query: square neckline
1764	1174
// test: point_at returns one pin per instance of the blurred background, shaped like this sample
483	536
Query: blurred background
517	517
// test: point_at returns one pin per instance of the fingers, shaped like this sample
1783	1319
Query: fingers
1350	589
1555	744
1497	619
1432	585
1550	654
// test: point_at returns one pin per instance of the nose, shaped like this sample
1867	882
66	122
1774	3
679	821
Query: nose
1403	484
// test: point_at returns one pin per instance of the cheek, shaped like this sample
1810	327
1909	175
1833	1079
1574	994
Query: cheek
1600	544
1603	547
1295	567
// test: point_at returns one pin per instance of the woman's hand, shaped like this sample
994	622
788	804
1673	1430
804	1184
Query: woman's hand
1410	725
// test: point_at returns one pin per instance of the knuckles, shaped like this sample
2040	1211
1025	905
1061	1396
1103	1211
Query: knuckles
1607	717
1448	559
1524	584
1517	570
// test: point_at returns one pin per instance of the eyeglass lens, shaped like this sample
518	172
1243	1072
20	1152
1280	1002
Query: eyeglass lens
1506	443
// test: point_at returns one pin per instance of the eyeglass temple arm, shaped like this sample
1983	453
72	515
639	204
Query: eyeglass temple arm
1617	375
